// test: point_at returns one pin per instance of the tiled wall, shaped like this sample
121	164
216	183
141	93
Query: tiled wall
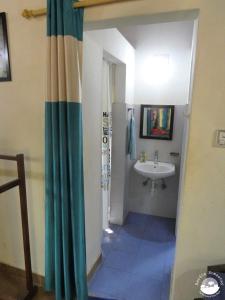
162	202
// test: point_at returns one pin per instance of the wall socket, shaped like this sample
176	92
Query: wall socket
220	138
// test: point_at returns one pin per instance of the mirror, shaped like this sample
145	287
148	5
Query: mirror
157	122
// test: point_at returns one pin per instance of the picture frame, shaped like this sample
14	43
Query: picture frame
156	122
5	72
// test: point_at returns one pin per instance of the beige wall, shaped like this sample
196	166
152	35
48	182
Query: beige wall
22	130
201	231
202	224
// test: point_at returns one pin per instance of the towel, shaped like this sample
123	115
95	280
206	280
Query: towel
131	138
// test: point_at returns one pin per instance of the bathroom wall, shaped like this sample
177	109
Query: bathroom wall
98	44
173	39
161	202
161	84
201	222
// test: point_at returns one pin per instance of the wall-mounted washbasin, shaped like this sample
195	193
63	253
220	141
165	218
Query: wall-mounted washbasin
154	170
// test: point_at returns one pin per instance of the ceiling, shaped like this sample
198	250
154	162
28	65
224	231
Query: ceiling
138	34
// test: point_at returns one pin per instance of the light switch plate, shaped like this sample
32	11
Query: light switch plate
220	138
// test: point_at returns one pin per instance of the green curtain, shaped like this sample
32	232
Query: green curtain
65	251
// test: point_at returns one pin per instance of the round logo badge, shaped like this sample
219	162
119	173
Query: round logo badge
209	286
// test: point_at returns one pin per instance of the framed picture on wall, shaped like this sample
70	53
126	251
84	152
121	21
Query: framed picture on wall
5	73
157	122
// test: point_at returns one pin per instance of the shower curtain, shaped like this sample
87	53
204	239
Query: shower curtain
65	258
106	140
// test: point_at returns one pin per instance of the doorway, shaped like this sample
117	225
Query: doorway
131	231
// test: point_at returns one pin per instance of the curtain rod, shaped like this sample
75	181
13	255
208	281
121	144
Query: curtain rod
80	4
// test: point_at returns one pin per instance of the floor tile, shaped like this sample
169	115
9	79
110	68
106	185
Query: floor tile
109	238
97	298
108	282
115	228
121	260
160	230
143	289
165	287
137	260
137	219
126	241
150	260
106	249
133	230
111	234
169	256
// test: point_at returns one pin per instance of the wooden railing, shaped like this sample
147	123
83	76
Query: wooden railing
21	183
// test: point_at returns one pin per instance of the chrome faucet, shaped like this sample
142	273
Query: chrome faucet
156	157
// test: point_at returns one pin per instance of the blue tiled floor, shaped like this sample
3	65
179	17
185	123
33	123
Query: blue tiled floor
137	260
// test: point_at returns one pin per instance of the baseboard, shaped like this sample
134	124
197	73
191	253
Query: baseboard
39	279
13	271
95	267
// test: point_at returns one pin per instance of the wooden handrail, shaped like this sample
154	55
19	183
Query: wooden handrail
8	157
21	183
9	185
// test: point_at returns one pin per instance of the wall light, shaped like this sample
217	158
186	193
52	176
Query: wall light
157	69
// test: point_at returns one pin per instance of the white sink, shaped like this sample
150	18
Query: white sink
154	170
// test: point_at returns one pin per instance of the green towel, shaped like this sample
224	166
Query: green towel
132	139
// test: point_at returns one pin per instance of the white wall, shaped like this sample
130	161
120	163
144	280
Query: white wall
173	39
92	112
116	45
162	202
118	174
99	44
